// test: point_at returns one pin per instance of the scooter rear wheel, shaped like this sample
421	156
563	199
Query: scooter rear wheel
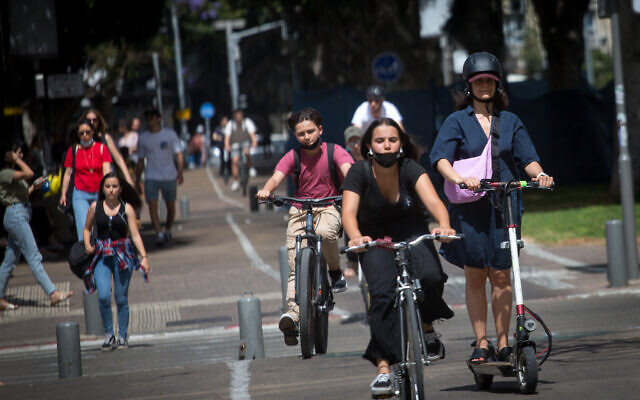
527	370
483	381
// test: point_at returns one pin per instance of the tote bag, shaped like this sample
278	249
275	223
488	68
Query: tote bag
479	166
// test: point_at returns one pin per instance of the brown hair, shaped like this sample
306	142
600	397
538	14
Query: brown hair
101	124
307	114
409	148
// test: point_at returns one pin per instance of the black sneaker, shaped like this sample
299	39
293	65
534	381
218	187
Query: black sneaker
123	343
289	328
382	385
338	283
109	342
435	348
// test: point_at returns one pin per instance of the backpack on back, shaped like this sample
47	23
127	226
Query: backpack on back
297	166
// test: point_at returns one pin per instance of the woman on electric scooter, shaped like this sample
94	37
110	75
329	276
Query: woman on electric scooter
383	195
464	135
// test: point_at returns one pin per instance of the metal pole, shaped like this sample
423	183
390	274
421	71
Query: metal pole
92	317
250	321
68	343
587	33
616	268
232	48
178	55
156	72
624	159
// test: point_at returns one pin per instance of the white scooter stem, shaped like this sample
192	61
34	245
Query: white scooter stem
515	266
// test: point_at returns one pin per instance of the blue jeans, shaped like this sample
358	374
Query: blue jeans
81	202
21	240
104	269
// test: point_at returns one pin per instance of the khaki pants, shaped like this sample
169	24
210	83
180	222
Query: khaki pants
327	224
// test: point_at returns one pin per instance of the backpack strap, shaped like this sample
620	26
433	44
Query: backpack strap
332	166
333	171
296	165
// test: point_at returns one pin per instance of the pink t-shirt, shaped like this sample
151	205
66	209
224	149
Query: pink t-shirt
315	178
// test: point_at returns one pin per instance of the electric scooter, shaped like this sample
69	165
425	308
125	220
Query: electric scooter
525	361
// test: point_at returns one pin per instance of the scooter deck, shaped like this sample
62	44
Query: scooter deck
492	368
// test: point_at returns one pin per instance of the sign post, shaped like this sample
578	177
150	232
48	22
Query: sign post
207	111
386	67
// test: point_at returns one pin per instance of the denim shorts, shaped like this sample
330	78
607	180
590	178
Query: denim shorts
168	189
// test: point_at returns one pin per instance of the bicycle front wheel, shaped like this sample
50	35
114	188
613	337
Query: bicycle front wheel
322	315
307	310
413	348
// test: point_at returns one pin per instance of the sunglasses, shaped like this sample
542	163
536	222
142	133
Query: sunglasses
92	119
87	132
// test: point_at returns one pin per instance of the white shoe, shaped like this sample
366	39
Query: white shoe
252	172
235	185
381	385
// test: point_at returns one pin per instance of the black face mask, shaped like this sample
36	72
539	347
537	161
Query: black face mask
311	146
387	160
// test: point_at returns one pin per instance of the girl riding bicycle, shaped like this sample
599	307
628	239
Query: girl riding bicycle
314	181
384	195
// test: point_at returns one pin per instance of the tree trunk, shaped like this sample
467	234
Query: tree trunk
561	29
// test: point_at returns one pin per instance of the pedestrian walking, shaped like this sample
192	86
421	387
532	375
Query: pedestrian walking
159	147
88	160
114	256
99	123
481	121
14	195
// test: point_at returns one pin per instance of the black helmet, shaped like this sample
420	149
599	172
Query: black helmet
481	62
375	92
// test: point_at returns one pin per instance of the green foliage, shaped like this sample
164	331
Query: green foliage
602	68
570	213
531	53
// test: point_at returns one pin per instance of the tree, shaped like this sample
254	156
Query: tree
477	26
561	29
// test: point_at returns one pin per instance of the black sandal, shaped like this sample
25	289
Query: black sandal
505	354
479	356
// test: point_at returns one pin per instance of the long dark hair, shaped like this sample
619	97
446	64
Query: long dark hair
409	148
500	100
73	135
128	194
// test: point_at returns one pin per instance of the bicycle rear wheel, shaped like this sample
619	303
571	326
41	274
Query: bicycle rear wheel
414	350
305	296
322	316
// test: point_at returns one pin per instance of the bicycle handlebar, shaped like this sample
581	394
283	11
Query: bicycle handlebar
487	185
324	201
387	243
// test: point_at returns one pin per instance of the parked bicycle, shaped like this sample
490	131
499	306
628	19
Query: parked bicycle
313	291
525	360
408	377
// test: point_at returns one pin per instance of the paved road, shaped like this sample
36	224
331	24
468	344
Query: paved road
184	335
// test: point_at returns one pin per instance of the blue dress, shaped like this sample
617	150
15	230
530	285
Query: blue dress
461	136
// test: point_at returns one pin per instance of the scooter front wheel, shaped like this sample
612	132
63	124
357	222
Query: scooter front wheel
527	370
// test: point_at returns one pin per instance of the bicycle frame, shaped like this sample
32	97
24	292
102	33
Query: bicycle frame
314	241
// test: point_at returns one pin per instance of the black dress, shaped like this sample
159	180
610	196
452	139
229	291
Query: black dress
402	220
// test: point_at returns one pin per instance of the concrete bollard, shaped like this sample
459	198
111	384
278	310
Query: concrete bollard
69	360
616	260
253	202
250	319
184	207
284	274
92	317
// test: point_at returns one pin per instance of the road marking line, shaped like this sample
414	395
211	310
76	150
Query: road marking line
536	251
251	253
548	278
221	195
240	378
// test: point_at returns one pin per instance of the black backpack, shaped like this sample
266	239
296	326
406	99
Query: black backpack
332	166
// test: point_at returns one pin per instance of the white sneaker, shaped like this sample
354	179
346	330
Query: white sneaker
381	385
235	185
252	172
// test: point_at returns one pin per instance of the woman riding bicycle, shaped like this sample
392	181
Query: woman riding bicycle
384	195
463	135
314	181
